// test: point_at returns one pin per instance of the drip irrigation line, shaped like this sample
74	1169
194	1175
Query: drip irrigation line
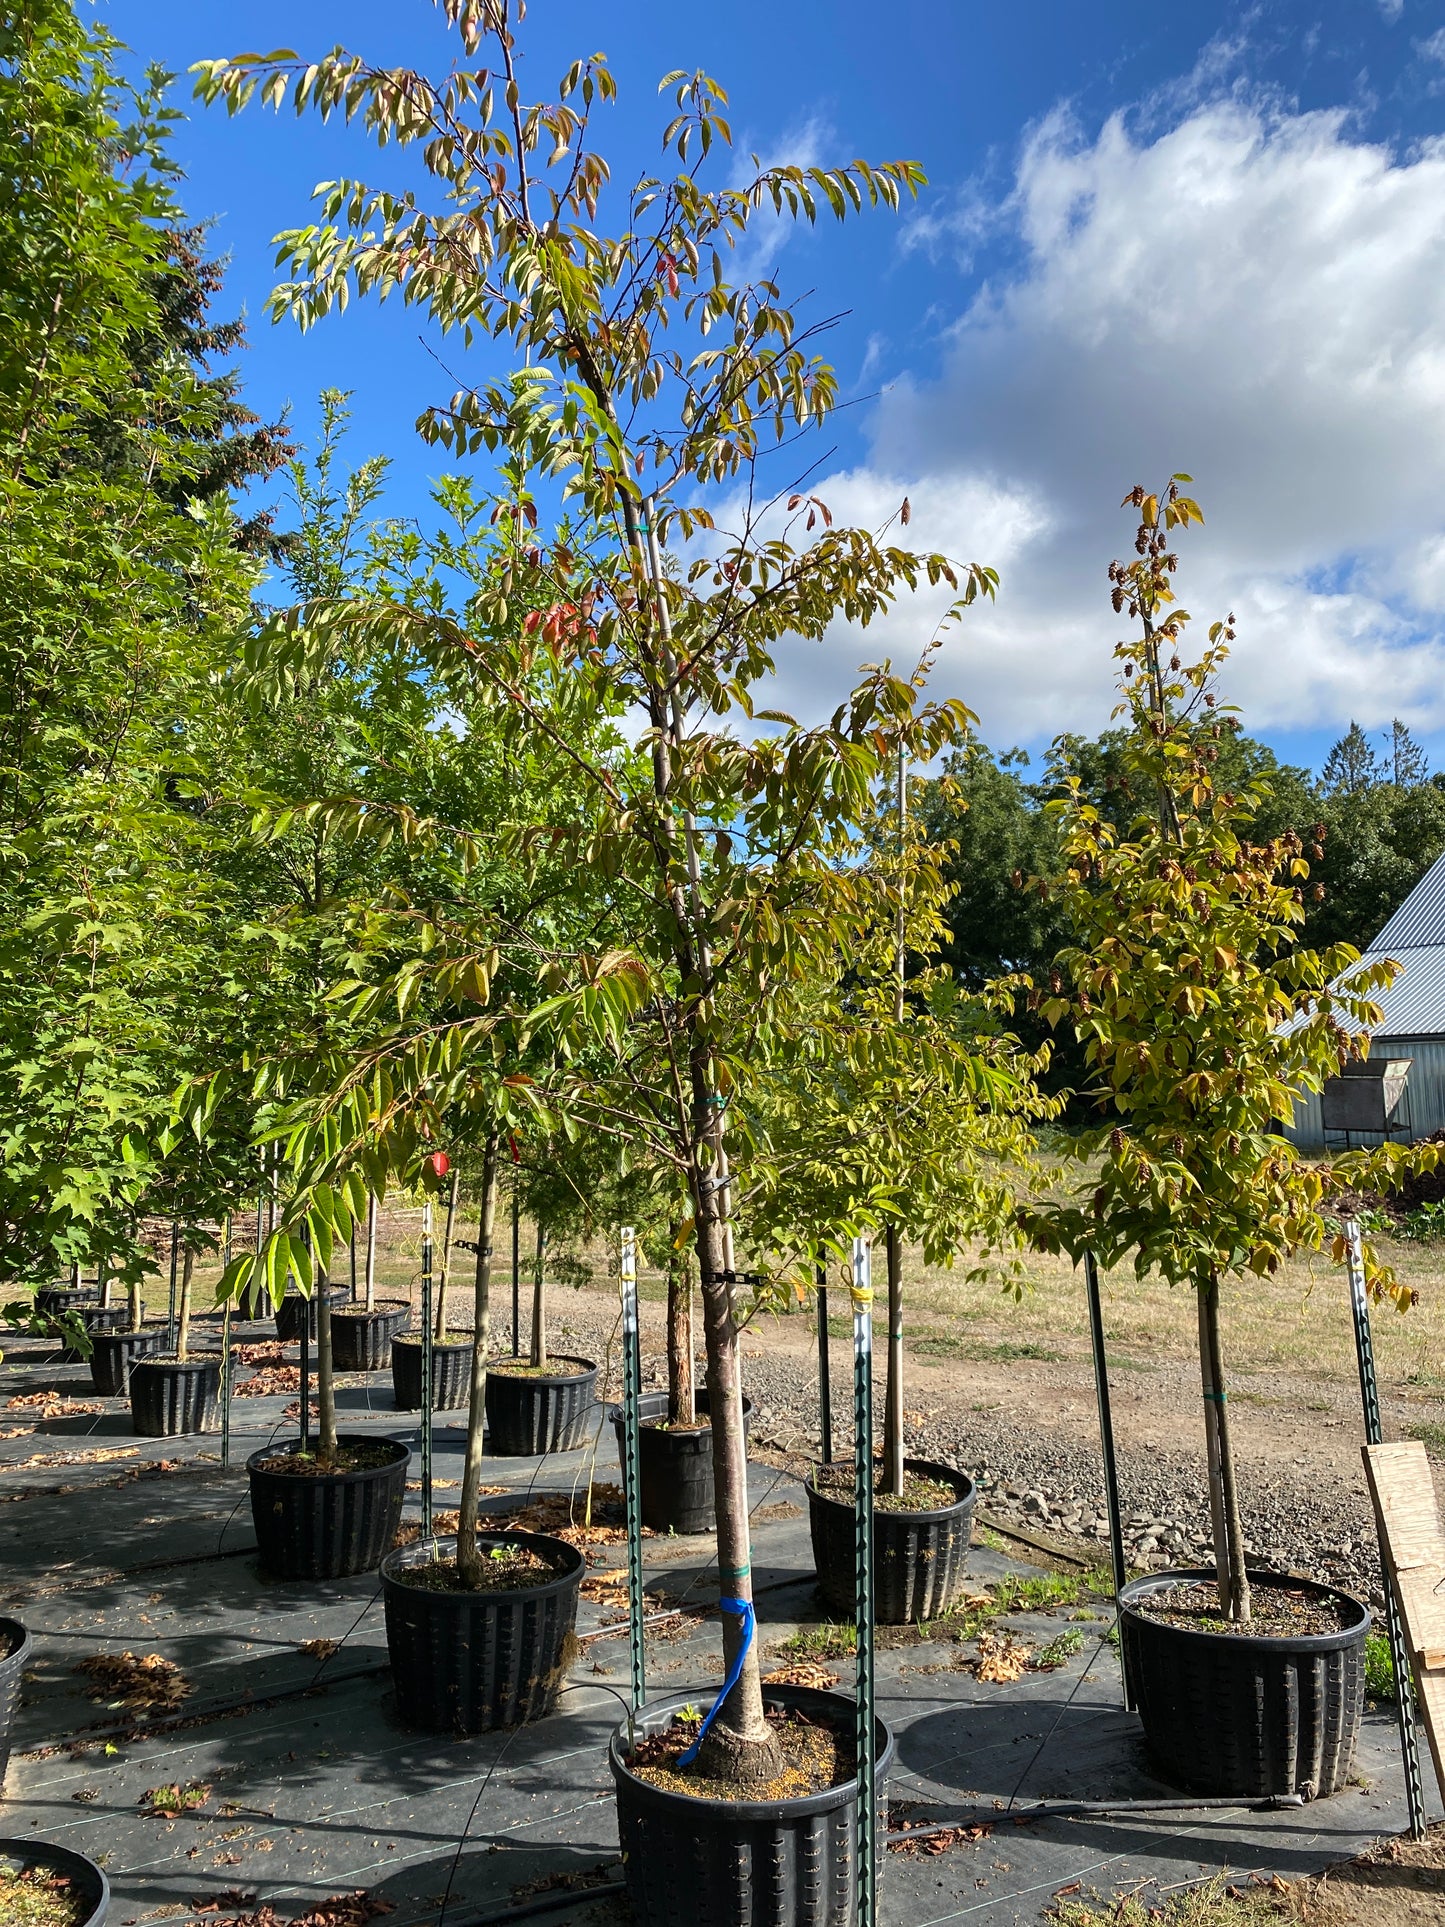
132	1734
1037	1753
526	1909
1096	1809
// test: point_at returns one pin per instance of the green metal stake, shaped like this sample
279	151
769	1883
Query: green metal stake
862	1292
226	1353
1395	1631
631	1467
426	1365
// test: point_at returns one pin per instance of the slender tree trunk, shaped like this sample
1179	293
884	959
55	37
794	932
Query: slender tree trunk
1234	1581
137	1306
681	1403
440	1328
371	1251
893	1398
183	1316
351	1260
539	1301
468	1564
102	1278
325	1376
1211	1453
740	1745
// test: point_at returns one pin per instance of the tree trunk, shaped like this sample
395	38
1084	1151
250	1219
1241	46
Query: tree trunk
440	1328
468	1564
137	1307
1224	1490
740	1745
893	1397
539	1302
183	1317
351	1259
681	1404
371	1251
102	1278
325	1376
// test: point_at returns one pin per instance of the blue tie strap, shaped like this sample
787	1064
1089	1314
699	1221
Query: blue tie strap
743	1608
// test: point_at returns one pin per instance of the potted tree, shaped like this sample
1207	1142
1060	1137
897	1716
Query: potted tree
363	1335
178	1392
1204	1021
328	1510
451	1352
731	863
542	1403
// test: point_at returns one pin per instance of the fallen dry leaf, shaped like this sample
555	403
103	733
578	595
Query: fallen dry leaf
1001	1659
144	1680
319	1648
53	1405
803	1672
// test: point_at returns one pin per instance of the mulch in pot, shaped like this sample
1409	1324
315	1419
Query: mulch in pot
1278	1611
920	1494
817	1754
347	1458
504	1569
40	1897
507	1367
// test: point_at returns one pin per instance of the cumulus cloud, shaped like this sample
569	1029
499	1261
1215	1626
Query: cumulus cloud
1251	295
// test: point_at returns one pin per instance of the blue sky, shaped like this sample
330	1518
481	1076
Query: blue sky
1207	238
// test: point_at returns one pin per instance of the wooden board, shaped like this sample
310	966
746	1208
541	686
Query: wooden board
1412	1551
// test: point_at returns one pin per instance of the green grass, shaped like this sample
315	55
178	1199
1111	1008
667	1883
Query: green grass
1211	1905
1379	1668
1430	1435
828	1641
946	1344
1060	1649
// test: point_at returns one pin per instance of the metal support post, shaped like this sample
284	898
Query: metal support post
631	1468
426	1369
1106	1438
1399	1652
171	1309
825	1379
863	1478
226	1352
516	1270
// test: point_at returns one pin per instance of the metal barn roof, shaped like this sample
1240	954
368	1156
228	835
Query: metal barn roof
1414	1005
1420	919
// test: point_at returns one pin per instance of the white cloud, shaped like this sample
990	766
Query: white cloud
1252	296
1392	10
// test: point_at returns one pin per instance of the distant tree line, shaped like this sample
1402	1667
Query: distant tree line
1377	815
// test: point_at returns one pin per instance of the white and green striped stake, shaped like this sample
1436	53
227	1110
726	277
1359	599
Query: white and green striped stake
426	1370
631	1465
862	1293
226	1352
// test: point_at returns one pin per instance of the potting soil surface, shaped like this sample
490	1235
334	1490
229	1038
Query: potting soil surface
249	1751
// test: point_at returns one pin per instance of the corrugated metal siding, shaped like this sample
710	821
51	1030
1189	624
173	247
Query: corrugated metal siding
1427	1089
1414	1005
1420	919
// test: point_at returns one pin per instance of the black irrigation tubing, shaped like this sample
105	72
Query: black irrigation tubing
1094	1809
131	1733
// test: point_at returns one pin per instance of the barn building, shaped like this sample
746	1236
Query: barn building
1400	1089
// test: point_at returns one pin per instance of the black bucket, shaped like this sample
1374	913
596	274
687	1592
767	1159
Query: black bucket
675	1467
742	1863
324	1526
113	1354
16	1642
451	1375
295	1313
536	1413
86	1881
96	1320
361	1340
169	1398
466	1662
1232	1713
918	1557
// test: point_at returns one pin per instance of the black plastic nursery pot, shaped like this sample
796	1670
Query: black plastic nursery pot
295	1314
85	1880
1235	1713
361	1340
918	1557
675	1466
95	1319
15	1644
170	1396
466	1662
694	1862
325	1525
113	1353
54	1298
531	1412
451	1374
